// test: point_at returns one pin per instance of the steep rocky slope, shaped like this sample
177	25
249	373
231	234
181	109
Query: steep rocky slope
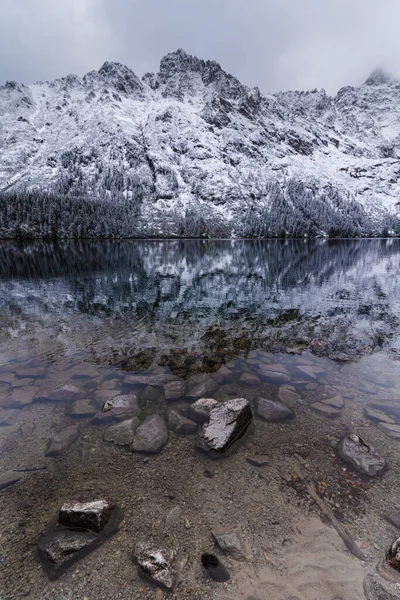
191	150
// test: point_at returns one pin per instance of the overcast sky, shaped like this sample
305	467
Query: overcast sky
274	44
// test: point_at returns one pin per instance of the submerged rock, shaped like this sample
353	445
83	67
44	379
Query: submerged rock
8	478
203	389
364	458
156	564
200	410
389	408
59	549
215	569
81	408
87	515
21	397
63	393
259	460
223	375
273	411
324	410
392	431
228	422
174	390
288	396
151	435
336	402
62	441
180	424
378	416
274	373
230	542
173	516
249	379
122	434
126	402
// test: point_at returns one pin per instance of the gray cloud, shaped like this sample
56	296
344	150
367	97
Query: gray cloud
275	44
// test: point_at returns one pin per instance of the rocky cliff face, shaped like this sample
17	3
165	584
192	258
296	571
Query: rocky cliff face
191	144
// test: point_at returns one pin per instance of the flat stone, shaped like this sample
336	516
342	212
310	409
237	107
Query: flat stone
335	402
122	434
155	380
27	429
86	515
21	397
62	441
273	411
311	371
174	390
311	386
63	393
106	395
20	383
8	478
59	548
288	396
361	456
324	410
156	563
126	402
223	375
392	431
204	389
200	410
151	435
259	460
30	371
273	376
173	516
81	408
228	422
230	542
180	424
389	408
275	368
84	371
7	377
393	517
249	379
378	416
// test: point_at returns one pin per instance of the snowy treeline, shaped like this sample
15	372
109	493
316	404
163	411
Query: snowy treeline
294	211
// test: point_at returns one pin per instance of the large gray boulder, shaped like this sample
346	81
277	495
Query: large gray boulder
228	422
122	434
151	435
361	456
156	564
273	411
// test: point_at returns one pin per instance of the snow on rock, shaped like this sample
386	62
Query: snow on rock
194	150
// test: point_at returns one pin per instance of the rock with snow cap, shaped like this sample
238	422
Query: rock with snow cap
228	422
157	564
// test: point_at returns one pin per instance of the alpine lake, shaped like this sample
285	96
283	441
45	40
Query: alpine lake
304	504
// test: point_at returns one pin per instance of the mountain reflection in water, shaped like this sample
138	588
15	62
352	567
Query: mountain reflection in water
339	297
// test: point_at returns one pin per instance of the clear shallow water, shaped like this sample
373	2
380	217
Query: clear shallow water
92	316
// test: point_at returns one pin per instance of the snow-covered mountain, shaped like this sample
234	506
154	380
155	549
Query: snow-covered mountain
190	149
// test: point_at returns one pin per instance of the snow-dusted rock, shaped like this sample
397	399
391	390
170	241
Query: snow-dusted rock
87	515
228	423
156	563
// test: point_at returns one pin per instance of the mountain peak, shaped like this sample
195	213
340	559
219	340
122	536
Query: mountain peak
380	76
121	77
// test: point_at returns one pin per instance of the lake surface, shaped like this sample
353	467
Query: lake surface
83	322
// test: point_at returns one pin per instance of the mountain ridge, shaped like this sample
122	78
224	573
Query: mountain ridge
193	151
